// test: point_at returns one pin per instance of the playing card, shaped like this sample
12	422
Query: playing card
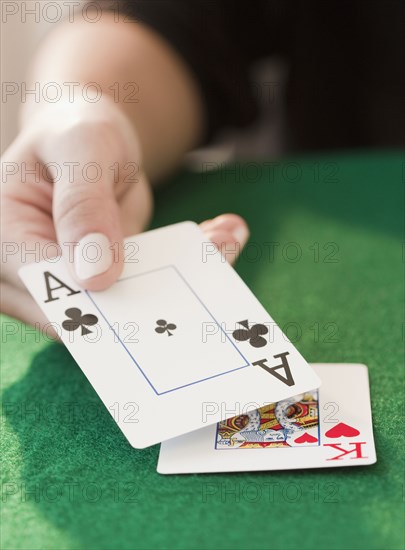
323	428
179	342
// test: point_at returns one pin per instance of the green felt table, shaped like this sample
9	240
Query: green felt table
326	259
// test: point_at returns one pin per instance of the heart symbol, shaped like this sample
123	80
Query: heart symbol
306	438
340	430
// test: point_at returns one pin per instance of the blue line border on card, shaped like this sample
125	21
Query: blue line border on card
206	309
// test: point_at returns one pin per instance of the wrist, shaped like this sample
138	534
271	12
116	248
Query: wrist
102	127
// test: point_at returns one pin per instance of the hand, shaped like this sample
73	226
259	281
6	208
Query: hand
73	176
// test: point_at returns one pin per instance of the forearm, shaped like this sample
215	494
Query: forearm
168	116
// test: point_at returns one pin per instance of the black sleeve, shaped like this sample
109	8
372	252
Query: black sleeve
212	37
345	84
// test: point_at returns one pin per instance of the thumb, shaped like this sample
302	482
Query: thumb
88	228
87	189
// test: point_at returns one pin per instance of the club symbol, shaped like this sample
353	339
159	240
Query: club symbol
76	320
164	326
253	334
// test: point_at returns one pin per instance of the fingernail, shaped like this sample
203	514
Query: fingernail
241	234
93	256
